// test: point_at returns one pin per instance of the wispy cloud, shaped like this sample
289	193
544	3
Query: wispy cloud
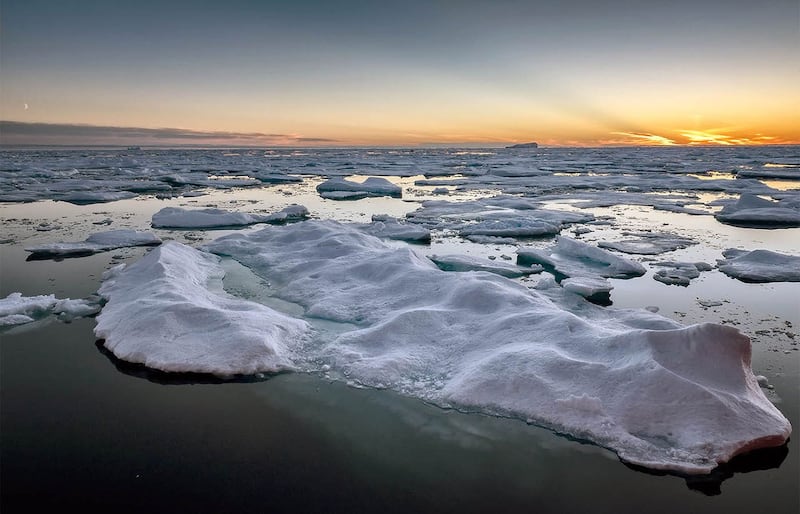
723	137
645	138
18	132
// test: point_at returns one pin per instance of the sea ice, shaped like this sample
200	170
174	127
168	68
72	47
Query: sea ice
751	210
480	342
95	243
468	263
573	258
168	311
386	227
679	273
16	309
760	266
338	188
648	243
177	217
524	227
587	286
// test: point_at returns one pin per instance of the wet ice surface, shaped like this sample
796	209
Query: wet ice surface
606	192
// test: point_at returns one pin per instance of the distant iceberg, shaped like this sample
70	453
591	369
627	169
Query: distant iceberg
524	145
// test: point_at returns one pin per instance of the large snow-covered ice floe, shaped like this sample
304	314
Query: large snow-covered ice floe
659	394
95	243
760	266
751	210
573	258
338	188
177	217
16	309
169	312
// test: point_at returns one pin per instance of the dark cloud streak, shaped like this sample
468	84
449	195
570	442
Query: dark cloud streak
18	132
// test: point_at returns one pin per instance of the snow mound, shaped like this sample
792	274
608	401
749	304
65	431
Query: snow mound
760	266
95	243
751	210
660	395
177	217
168	311
468	263
339	188
573	258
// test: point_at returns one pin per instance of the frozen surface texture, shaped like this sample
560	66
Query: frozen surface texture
659	394
386	227
95	243
760	266
168	311
177	217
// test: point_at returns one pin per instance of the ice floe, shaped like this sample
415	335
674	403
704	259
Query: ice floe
679	273
751	210
387	227
462	263
648	243
177	217
169	312
339	188
95	243
573	258
760	266
588	286
477	341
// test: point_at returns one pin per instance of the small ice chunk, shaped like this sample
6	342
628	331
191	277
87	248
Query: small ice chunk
14	308
760	266
679	273
95	243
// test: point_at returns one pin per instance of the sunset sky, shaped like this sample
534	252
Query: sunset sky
341	73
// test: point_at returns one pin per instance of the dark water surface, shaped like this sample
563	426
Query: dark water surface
81	431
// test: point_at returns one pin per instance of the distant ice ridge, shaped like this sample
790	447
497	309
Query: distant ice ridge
177	217
16	309
95	243
169	312
760	266
660	395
